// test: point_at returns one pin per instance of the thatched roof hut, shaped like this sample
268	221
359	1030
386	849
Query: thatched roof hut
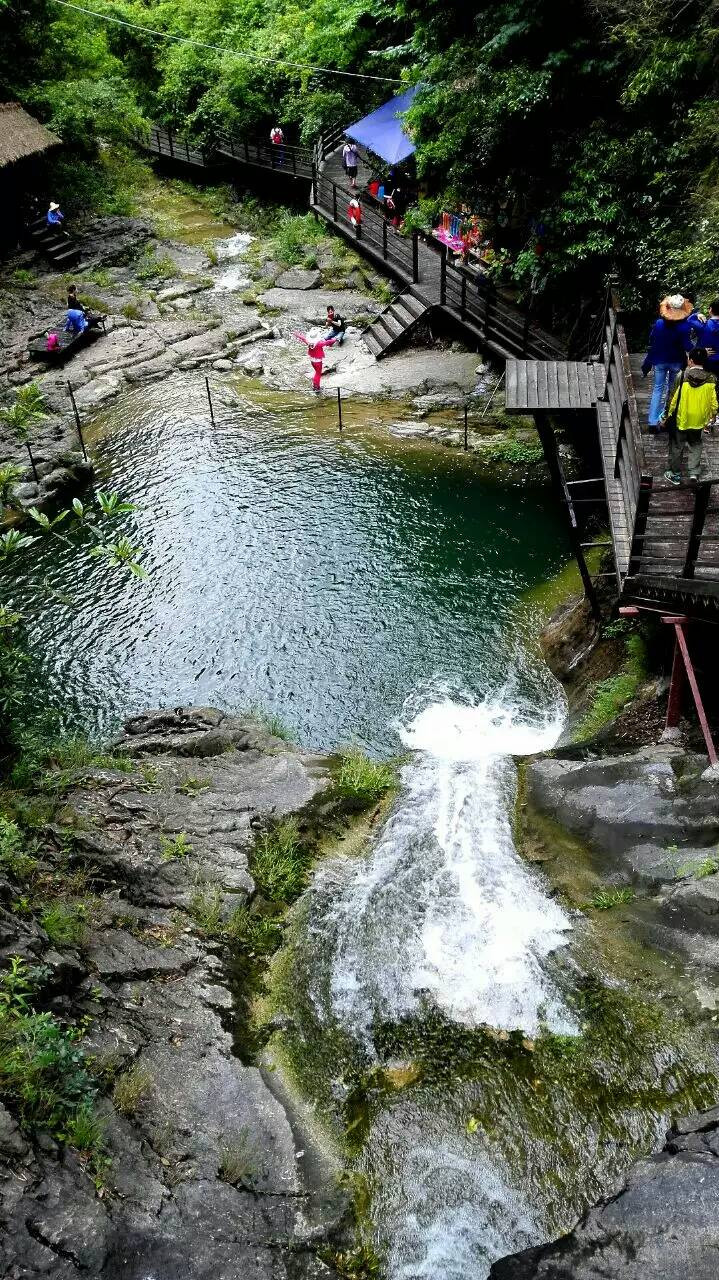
21	136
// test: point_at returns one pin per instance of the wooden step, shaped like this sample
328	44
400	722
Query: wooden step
415	305
371	341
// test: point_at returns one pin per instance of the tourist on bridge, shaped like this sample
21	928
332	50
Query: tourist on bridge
692	407
277	138
710	337
316	352
354	213
350	161
670	338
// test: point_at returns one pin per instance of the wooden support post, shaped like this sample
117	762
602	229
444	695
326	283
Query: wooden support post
77	421
554	465
415	256
443	276
676	689
640	524
334	201
209	401
701	502
678	624
339	408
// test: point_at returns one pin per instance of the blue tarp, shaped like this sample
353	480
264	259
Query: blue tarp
382	132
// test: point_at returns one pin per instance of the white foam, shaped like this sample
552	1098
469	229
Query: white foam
444	908
231	250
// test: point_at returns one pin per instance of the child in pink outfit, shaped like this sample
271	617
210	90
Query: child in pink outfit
316	353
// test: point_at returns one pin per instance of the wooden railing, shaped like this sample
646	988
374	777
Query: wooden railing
629	466
420	260
176	146
282	158
674	532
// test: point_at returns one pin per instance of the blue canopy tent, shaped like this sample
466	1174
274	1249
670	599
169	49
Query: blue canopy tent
381	131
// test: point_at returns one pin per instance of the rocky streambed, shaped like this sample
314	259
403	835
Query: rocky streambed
201	1170
176	302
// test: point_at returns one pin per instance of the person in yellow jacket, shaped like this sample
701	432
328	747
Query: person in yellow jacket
695	402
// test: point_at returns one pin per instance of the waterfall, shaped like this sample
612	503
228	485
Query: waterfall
444	909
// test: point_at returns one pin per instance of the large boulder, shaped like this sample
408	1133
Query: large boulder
663	1225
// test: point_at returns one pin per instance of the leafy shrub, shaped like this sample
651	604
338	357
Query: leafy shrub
23	277
362	779
294	233
12	850
150	267
65	923
43	1070
172	847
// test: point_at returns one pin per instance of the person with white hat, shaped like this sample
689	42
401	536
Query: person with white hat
55	217
670	338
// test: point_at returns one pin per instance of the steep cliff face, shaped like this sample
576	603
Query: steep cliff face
663	1224
196	1172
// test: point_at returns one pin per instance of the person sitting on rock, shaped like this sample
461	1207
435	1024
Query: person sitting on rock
55	216
337	327
73	302
76	320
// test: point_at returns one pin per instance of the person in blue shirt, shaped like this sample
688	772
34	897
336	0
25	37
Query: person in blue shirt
672	335
55	217
76	321
710	337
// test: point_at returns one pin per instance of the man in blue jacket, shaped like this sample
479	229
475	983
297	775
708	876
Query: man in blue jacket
672	335
710	337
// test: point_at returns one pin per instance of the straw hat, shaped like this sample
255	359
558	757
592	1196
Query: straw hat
53	206
675	307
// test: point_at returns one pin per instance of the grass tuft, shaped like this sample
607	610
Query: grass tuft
279	863
606	899
362	779
612	695
173	848
131	1088
239	1162
65	923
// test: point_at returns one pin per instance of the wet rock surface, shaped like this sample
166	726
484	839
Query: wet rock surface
155	995
663	1224
651	818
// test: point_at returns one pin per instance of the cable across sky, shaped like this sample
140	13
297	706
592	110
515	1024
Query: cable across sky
216	48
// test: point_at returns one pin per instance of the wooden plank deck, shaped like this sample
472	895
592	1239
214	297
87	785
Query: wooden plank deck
553	385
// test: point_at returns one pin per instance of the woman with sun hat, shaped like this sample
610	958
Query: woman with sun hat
669	340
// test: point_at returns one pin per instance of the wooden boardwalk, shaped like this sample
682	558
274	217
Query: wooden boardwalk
665	538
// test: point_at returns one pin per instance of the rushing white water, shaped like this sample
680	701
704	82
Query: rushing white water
233	251
444	909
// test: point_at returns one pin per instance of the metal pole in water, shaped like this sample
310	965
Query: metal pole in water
209	401
465	428
339	407
77	421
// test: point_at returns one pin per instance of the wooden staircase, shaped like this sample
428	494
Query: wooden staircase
54	243
394	323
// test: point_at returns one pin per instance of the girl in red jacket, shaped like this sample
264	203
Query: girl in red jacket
316	353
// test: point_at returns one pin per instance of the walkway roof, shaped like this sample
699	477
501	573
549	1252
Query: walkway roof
382	131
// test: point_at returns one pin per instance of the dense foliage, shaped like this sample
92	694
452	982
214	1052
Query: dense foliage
589	125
